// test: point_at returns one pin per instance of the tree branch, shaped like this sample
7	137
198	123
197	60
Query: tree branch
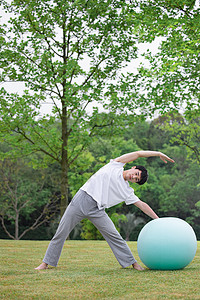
33	143
57	108
37	222
5	229
85	144
193	148
44	140
92	73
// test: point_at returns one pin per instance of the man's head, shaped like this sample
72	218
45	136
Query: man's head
137	174
144	174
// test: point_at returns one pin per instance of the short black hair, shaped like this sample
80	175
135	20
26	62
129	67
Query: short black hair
144	174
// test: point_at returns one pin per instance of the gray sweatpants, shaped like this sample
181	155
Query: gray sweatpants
84	206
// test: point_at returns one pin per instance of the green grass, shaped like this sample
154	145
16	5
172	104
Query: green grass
88	270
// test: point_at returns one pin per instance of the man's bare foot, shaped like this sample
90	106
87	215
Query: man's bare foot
43	266
137	267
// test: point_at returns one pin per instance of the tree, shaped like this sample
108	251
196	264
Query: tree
46	45
23	193
173	75
72	53
184	130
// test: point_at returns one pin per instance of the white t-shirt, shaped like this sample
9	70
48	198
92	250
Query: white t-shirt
108	187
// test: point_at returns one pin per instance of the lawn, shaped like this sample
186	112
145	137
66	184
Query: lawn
88	270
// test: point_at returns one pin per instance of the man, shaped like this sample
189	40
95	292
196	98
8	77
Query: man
106	188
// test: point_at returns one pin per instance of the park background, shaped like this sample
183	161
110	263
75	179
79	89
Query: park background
80	58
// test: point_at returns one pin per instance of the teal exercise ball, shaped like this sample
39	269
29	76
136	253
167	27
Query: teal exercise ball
167	244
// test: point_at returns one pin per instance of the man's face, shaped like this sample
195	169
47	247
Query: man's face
133	175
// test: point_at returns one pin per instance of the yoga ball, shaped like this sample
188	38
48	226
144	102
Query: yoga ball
167	244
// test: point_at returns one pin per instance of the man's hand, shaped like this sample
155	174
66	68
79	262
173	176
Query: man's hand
164	158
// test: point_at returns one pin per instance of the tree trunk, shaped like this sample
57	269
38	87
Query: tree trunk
17	226
64	163
64	188
127	237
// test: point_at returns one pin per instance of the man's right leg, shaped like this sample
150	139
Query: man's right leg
71	217
118	245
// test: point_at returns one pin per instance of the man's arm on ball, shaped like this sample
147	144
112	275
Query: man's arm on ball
146	209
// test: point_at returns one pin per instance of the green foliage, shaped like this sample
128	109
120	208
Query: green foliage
186	133
66	53
173	75
51	41
80	172
171	190
26	198
90	232
72	54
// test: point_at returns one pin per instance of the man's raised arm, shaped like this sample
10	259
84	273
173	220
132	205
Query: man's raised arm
126	158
